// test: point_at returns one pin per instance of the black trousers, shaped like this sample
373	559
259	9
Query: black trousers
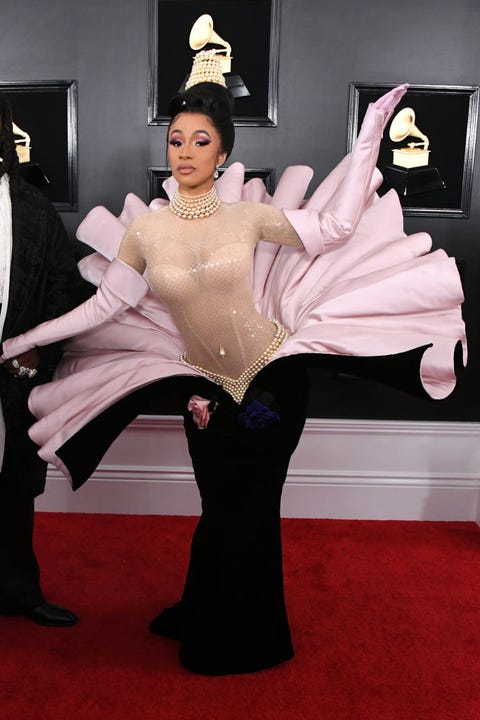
19	570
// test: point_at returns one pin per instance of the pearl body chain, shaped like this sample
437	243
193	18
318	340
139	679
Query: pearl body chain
238	387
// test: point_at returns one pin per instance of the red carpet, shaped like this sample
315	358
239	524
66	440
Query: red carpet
384	616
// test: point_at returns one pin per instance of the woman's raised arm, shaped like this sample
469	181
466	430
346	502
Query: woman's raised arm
337	221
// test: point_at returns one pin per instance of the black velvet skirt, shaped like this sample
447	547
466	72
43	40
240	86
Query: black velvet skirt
233	615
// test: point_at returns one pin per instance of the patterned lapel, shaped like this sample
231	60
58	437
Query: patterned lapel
28	245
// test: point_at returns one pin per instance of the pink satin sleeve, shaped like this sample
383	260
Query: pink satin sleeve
121	287
338	219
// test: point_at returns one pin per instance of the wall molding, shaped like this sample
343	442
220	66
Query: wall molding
359	469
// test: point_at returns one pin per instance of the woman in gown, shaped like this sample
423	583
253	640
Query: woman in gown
226	296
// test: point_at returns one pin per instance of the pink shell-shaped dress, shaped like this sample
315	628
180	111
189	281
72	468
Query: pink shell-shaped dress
379	293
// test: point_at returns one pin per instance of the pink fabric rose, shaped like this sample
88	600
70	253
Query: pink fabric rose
201	410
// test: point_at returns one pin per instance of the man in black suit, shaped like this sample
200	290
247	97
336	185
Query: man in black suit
39	280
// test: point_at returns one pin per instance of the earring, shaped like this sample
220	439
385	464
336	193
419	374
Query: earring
216	174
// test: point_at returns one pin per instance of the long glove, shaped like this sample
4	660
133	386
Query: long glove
341	215
121	287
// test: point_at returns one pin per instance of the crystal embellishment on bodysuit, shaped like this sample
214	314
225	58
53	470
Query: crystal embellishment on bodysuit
238	387
195	206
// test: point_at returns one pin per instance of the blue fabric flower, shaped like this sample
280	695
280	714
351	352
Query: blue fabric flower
257	416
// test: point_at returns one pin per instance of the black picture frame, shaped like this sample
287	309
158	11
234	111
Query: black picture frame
448	115
252	27
47	111
157	175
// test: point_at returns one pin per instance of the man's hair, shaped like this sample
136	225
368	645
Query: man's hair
9	163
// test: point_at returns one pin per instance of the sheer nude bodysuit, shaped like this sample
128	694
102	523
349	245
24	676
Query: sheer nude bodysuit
201	269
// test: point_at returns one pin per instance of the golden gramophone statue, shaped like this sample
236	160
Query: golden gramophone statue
202	34
410	173
22	144
30	171
413	154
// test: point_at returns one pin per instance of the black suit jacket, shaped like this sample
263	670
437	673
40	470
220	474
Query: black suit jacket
44	283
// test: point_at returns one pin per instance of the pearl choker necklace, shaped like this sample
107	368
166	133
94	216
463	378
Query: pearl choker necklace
195	206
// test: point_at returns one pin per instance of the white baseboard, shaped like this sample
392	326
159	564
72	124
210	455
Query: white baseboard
358	469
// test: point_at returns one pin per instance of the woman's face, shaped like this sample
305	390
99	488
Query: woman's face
194	151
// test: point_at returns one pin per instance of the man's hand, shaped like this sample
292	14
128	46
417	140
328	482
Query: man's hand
23	366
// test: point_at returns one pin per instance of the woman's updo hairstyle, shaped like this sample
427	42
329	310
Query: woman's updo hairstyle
212	100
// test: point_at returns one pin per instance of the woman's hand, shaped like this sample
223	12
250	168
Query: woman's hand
388	102
24	365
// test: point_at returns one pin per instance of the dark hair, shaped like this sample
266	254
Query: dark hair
8	151
212	100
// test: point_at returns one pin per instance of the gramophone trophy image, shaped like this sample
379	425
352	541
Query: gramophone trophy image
30	171
410	173
202	35
22	144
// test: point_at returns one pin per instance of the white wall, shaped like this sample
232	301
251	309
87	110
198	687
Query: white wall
341	469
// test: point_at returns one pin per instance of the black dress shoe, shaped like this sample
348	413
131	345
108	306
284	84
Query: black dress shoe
51	615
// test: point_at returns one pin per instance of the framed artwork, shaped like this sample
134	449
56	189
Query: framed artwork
251	28
428	148
45	116
156	176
